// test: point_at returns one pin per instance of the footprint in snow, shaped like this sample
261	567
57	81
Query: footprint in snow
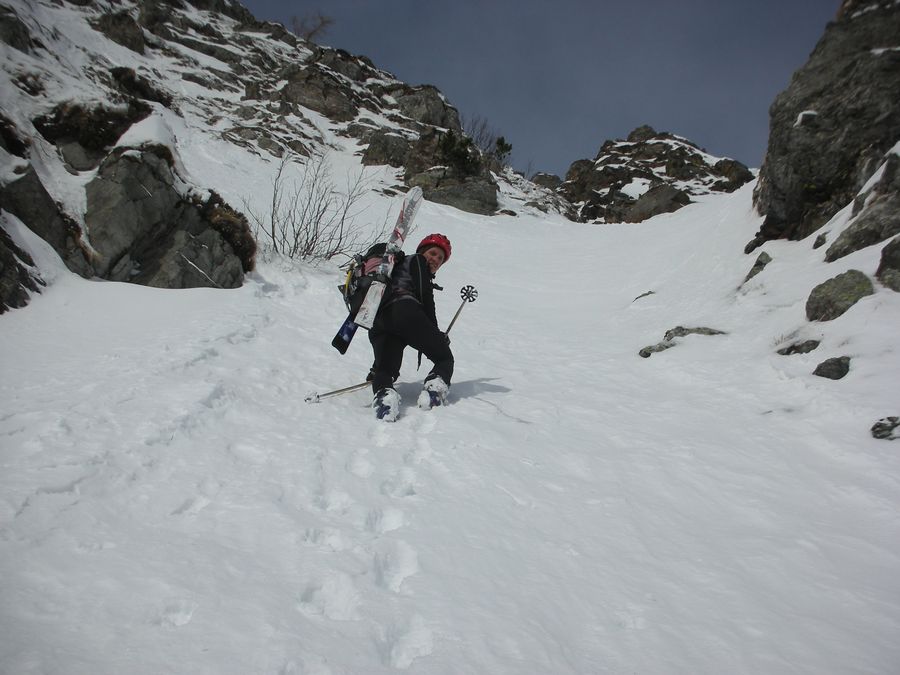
401	485
336	597
176	613
248	452
327	539
421	452
384	520
399	646
207	489
394	563
334	501
359	465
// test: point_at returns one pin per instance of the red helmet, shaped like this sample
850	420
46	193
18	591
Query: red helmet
438	240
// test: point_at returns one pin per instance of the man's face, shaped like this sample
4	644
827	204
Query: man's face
434	256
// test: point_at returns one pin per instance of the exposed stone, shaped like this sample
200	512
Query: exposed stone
388	148
888	271
93	130
131	196
832	125
133	85
886	428
15	33
799	348
449	170
17	281
154	15
10	139
647	352
879	217
820	241
734	175
833	369
145	232
761	261
318	90
122	29
228	8
356	68
427	105
659	199
206	82
669	339
547	180
649	173
641	134
28	200
214	50
681	331
832	298
471	194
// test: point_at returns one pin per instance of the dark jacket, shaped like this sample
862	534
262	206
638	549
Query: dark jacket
413	281
407	318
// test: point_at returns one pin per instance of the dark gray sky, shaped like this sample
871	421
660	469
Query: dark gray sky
559	78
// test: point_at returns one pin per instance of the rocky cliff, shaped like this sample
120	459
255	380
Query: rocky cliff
100	102
833	127
644	175
103	105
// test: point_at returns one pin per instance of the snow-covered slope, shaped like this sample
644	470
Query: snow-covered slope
170	503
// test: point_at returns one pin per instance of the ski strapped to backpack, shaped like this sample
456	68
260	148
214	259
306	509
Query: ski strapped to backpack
360	274
368	287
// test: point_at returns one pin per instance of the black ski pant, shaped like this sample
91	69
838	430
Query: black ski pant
398	325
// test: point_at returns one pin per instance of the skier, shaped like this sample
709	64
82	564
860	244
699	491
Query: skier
407	318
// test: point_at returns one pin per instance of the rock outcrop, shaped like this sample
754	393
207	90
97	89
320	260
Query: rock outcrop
670	339
831	128
18	278
833	369
804	347
876	213
647	174
136	218
887	428
28	200
834	297
888	271
144	231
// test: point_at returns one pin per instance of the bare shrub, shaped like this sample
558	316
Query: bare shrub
492	146
309	218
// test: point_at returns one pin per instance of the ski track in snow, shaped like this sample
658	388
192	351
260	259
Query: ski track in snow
170	503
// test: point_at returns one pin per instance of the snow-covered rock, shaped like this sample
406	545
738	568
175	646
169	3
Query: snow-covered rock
647	174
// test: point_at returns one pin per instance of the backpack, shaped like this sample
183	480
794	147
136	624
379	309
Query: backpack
361	271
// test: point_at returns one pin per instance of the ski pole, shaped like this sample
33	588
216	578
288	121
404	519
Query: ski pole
467	293
315	397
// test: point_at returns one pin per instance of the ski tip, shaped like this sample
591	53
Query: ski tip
312	397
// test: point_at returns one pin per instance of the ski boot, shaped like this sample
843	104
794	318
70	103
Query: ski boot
387	404
434	393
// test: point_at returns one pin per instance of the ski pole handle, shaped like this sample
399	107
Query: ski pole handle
468	294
